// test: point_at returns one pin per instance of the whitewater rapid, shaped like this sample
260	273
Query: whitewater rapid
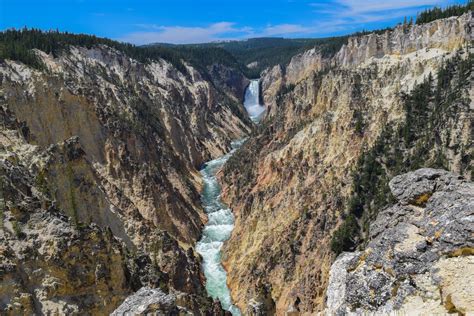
220	218
216	231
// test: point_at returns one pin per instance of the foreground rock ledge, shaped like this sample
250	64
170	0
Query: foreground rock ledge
420	254
148	301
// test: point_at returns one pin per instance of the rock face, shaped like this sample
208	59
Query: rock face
444	33
146	301
99	158
53	263
48	265
290	184
143	128
420	255
230	80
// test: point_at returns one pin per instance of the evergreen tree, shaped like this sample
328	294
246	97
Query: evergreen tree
438	13
18	45
413	144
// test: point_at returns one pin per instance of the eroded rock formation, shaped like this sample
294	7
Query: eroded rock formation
419	259
99	159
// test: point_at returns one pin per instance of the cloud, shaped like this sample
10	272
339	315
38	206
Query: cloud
182	34
353	14
346	16
333	17
284	29
376	6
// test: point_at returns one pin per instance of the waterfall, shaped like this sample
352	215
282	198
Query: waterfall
252	101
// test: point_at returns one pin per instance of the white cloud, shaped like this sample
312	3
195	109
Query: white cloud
335	16
349	16
352	14
184	34
375	6
283	29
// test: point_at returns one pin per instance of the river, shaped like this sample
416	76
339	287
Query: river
221	219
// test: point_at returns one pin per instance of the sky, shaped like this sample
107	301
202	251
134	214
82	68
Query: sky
198	21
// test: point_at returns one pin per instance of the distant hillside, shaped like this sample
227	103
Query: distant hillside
18	45
268	51
256	54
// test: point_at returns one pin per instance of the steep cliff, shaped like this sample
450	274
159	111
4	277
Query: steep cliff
145	128
313	176
100	181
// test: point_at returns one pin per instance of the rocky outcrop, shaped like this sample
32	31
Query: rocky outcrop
146	301
262	303
439	36
51	260
290	184
278	80
48	264
271	83
420	255
304	64
230	80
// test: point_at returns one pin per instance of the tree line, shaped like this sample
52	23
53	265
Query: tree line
270	51
18	45
439	13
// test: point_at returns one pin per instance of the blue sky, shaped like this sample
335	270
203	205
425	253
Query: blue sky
187	21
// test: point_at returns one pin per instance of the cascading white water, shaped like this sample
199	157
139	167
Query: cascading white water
221	220
216	231
252	101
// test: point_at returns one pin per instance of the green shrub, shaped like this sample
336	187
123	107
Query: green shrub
344	238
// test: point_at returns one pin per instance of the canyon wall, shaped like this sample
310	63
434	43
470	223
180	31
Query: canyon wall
100	181
330	122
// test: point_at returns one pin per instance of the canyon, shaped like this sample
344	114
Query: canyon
99	138
338	183
290	185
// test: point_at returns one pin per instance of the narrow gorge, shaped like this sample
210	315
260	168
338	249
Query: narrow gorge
220	218
165	179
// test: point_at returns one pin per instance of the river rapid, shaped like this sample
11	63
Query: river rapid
221	219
